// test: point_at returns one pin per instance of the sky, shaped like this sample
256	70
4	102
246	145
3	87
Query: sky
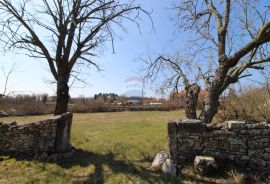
30	75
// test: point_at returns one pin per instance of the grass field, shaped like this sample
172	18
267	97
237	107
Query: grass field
111	148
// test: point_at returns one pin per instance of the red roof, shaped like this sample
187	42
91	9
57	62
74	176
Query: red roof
182	93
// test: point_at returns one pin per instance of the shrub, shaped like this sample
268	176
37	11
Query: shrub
251	104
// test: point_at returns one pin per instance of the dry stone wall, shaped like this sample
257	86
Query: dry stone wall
49	136
245	144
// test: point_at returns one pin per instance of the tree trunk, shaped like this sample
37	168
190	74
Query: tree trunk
211	101
192	94
62	92
211	104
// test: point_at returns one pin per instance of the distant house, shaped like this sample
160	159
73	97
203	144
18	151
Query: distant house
145	101
154	101
182	94
134	102
180	98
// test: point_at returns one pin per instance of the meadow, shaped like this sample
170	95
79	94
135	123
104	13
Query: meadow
110	148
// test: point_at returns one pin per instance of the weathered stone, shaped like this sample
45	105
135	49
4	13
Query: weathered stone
204	165
53	158
245	144
172	141
213	153
68	154
169	167
256	132
211	145
236	125
266	144
255	144
13	124
191	126
216	134
187	142
238	158
35	138
266	156
255	153
194	136
217	126
43	156
191	121
159	159
257	163
261	125
197	146
63	133
235	141
3	114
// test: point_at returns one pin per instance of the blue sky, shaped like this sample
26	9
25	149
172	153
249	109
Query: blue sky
31	74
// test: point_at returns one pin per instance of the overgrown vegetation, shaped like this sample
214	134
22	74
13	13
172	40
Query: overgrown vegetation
250	104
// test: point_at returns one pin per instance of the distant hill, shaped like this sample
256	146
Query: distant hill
131	93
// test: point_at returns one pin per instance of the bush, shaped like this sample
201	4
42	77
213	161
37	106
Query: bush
251	104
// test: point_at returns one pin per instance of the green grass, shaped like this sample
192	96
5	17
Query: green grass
111	148
114	148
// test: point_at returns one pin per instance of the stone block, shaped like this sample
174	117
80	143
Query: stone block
255	144
172	141
159	159
169	167
266	144
257	153
217	126
191	126
238	158
255	132
3	114
197	146
63	133
262	125
205	165
266	156
257	163
187	142
236	125
213	153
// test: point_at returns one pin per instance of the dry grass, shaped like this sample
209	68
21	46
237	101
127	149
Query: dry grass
251	104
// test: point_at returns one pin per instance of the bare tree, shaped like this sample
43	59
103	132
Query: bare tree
7	75
64	32
173	74
227	40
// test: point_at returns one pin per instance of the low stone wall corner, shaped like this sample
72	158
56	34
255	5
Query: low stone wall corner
243	143
49	136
